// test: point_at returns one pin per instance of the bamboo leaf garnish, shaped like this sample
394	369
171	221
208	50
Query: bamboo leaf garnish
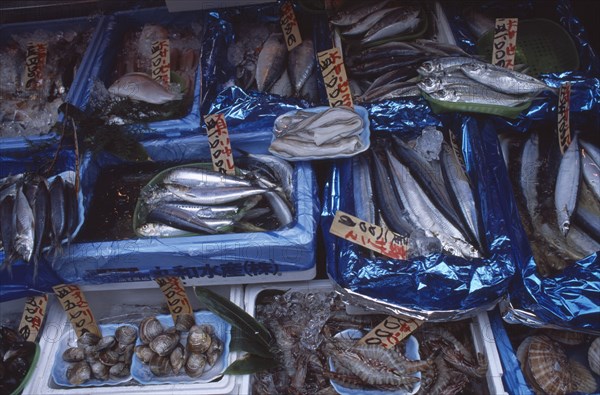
240	342
250	364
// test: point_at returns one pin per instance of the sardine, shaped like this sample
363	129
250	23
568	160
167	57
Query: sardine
194	177
567	186
398	22
202	195
504	80
301	64
271	62
356	12
24	229
178	218
206	211
140	86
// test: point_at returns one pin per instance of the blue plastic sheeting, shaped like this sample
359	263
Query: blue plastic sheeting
240	255
103	64
22	283
560	11
18	145
438	286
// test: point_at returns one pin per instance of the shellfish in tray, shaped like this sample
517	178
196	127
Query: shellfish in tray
548	364
594	356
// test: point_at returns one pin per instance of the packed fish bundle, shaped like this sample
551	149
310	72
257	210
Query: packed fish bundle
163	349
197	200
133	94
101	358
318	134
421	190
36	213
459	79
262	62
16	357
560	362
558	198
311	359
28	107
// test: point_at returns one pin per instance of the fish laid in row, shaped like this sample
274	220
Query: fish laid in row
197	200
36	213
558	196
304	134
429	200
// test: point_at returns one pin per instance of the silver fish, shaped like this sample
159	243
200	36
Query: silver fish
58	220
567	186
435	83
283	86
24	236
199	177
203	195
207	211
445	64
478	94
591	173
310	90
359	10
363	189
280	208
591	150
294	149
153	229
582	241
504	80
301	64
400	22
530	169
271	61
7	227
362	26
282	170
140	86
178	218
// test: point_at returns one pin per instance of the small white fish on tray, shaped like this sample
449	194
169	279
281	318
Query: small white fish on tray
321	133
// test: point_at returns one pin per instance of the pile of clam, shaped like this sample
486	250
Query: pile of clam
101	358
164	351
16	356
549	364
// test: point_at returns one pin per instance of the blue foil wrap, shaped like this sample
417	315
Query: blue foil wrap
438	286
560	11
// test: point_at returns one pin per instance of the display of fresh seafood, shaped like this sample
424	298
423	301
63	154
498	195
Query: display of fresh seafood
198	200
32	110
263	62
16	357
324	134
426	196
36	213
558	197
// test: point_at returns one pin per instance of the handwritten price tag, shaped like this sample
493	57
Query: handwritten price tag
289	26
35	61
177	299
220	146
335	78
77	308
161	62
505	42
369	235
564	125
33	317
391	331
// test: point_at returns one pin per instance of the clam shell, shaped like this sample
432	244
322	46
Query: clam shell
78	373
185	322
109	357
548	364
144	353
569	338
160	366
73	354
150	327
125	335
164	343
105	343
99	370
582	379
195	364
177	358
198	340
88	339
214	351
119	370
594	356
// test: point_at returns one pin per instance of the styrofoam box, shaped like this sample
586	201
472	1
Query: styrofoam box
483	338
114	307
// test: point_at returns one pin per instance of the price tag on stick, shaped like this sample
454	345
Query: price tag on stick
391	331
177	299
371	236
220	146
77	308
161	62
289	26
35	62
335	78
505	42
564	125
33	317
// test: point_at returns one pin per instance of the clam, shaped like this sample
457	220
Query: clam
199	339
582	379
105	343
548	364
184	322
144	353
88	339
164	343
126	335
150	327
594	356
73	354
214	351
99	370
569	338
109	357
128	352
119	370
78	373
177	358
160	366
194	365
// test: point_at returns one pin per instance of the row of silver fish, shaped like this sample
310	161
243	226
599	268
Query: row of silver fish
334	131
191	199
460	79
370	22
431	199
558	197
36	213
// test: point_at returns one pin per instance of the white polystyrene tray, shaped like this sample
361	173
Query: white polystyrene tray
483	338
106	304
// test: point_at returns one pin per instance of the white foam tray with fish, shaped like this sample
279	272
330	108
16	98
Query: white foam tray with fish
129	305
483	338
68	79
